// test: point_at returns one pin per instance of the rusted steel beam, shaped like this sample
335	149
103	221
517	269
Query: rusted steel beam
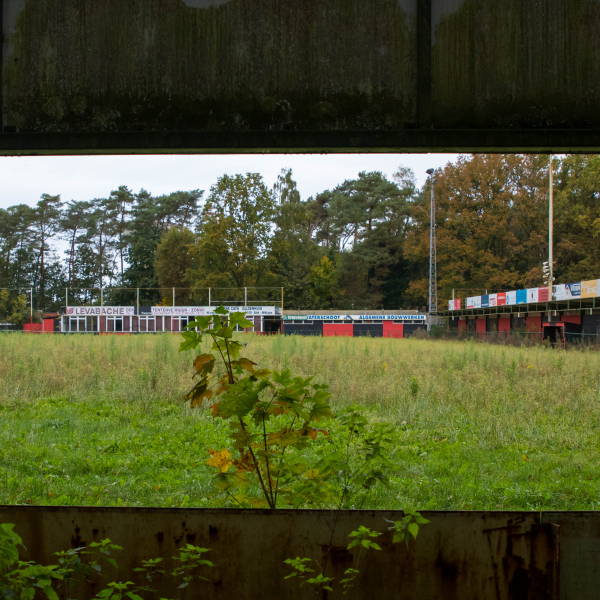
458	556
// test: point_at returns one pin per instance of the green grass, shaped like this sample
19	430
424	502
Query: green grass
100	420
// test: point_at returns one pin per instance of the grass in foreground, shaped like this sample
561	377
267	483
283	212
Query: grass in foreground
100	420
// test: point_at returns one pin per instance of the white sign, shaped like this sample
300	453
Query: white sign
355	317
450	304
104	311
178	311
193	311
566	291
511	298
493	299
471	302
532	295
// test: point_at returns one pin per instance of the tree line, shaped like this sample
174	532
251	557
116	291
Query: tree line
361	245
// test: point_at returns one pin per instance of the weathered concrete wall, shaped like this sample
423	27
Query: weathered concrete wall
300	75
175	65
516	64
458	556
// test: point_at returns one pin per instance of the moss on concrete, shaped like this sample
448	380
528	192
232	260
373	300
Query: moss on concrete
143	65
517	64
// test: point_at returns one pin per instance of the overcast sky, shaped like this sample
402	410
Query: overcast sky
25	179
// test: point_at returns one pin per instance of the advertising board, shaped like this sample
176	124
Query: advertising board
501	299
477	302
471	302
457	304
566	291
521	296
485	301
543	294
589	289
195	311
493	299
511	298
354	317
532	295
450	304
104	311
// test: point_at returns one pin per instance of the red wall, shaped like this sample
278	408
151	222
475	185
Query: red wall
393	330
533	323
504	324
48	325
32	327
572	319
481	326
338	330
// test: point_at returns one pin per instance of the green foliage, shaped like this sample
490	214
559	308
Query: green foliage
409	525
21	580
171	262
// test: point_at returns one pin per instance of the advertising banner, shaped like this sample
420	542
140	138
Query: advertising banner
493	299
589	289
471	302
485	301
202	311
532	295
457	304
521	296
450	304
97	311
477	302
354	317
511	298
566	291
543	294
501	299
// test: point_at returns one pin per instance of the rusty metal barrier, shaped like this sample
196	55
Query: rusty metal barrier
458	556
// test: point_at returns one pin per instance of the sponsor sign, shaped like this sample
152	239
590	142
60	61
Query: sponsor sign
521	296
511	298
103	311
532	295
450	304
485	301
471	302
543	294
493	299
354	317
477	302
457	304
566	291
589	289
194	311
176	311
501	299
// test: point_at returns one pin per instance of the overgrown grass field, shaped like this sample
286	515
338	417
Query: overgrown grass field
87	420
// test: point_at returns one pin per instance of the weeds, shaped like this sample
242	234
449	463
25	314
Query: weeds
489	427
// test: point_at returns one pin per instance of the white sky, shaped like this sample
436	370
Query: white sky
25	179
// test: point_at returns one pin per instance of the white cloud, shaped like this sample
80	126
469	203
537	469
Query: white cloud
25	179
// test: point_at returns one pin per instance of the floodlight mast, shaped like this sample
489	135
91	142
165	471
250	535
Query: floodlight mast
432	254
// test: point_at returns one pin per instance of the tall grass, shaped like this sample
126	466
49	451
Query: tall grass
479	426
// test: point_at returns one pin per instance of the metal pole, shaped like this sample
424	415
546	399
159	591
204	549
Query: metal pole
101	298
432	306
67	299
173	296
282	301
209	297
245	296
31	295
550	235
